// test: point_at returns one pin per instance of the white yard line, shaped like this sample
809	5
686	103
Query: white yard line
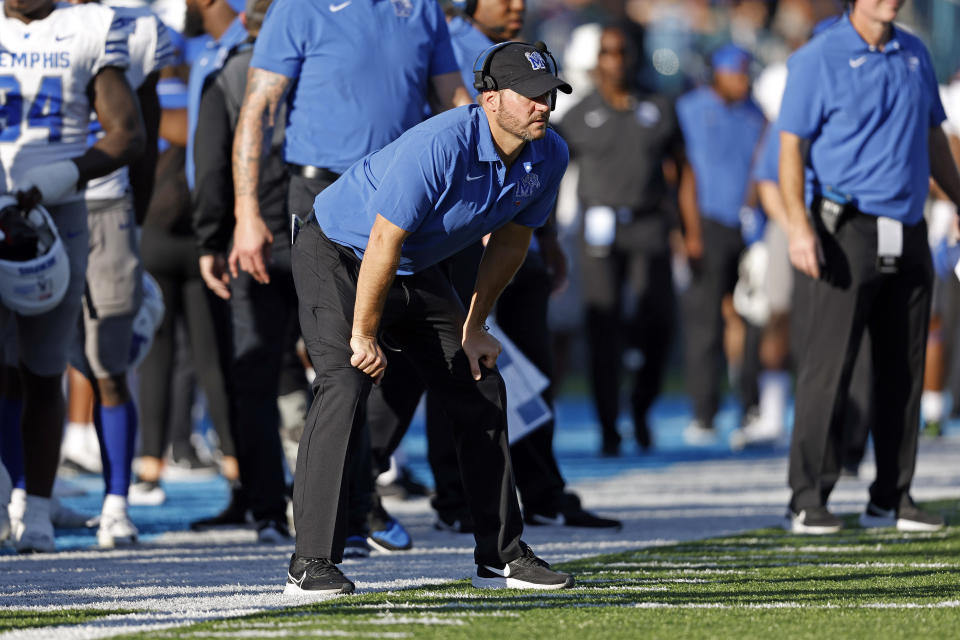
185	577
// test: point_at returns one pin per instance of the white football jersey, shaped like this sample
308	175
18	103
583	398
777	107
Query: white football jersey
45	69
150	50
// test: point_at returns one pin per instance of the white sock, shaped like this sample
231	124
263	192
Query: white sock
774	387
115	505
18	502
931	406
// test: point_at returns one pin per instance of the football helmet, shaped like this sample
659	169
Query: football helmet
34	267
147	320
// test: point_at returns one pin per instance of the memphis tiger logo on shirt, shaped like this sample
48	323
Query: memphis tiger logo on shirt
528	185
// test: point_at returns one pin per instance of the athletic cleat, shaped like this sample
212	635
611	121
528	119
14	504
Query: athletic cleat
526	572
272	531
116	530
147	493
815	521
314	578
908	518
356	547
392	537
453	523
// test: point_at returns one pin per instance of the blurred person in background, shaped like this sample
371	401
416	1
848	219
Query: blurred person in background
260	314
722	127
621	138
169	254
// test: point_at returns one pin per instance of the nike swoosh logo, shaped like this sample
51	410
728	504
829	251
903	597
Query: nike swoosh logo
558	520
472	178
299	582
62	38
340	7
856	62
505	572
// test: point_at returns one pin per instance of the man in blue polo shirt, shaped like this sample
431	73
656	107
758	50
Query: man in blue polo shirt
365	267
863	97
721	127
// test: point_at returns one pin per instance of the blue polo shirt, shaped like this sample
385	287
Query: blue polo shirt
867	114
721	140
208	61
468	44
445	183
362	70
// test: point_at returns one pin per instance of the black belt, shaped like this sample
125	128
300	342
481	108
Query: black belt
311	173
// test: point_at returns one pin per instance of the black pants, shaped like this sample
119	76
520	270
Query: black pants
173	261
713	278
424	318
830	317
638	263
522	314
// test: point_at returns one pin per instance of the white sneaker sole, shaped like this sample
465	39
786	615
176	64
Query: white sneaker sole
913	526
811	530
107	541
513	583
293	592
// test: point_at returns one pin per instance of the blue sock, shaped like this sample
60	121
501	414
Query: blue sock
117	432
11	440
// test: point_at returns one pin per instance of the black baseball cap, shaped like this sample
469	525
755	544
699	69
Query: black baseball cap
525	69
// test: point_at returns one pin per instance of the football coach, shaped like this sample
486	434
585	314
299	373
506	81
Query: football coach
863	98
366	274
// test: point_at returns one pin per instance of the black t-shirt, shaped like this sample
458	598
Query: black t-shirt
621	153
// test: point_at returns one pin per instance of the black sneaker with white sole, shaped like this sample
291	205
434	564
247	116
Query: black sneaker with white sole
526	572
907	518
813	521
314	577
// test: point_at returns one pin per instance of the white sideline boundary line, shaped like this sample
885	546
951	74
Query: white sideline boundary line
182	578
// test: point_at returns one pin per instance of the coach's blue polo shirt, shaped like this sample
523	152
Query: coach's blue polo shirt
445	183
721	140
867	114
208	61
361	67
468	44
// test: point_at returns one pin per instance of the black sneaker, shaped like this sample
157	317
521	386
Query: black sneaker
314	577
233	516
526	572
815	521
908	518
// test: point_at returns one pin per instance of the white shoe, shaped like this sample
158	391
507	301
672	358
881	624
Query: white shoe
34	533
147	493
697	435
81	448
18	503
116	531
755	433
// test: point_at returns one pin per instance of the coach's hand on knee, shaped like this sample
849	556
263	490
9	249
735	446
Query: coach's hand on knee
481	348
368	356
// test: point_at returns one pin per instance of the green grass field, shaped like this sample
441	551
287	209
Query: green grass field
868	584
871	584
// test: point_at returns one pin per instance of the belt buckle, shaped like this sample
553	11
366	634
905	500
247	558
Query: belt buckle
830	214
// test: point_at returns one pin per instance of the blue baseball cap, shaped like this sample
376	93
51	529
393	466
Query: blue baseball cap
731	58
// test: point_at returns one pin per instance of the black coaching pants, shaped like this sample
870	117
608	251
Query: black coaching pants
830	317
423	317
522	315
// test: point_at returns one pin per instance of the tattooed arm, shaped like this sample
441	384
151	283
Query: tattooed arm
251	238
